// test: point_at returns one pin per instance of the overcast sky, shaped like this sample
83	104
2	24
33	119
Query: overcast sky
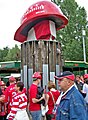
11	12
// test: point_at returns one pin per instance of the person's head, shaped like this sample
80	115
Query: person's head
82	78
86	78
37	77
78	78
19	86
65	80
2	85
51	85
12	80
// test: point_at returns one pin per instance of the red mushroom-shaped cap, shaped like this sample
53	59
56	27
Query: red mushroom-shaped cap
12	79
37	75
40	11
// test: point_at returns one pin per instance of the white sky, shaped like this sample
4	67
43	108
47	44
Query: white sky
11	12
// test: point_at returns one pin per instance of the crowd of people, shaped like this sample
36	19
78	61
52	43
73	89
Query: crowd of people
70	102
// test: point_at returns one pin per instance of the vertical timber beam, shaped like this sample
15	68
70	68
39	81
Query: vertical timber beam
30	62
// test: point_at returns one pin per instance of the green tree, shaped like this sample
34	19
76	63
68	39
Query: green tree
13	54
71	36
3	53
86	42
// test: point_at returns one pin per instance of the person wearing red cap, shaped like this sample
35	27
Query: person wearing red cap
85	90
10	92
71	105
34	106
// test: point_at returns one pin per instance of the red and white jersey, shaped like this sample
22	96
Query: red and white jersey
24	90
19	103
10	92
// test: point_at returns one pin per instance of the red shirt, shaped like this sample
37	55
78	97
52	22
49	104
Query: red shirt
55	94
9	94
32	94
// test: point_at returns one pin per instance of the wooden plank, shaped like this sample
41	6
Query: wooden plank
45	57
40	53
50	56
21	56
30	62
59	59
26	53
45	53
35	55
23	60
54	56
30	55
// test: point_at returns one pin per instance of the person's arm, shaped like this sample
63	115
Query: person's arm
6	95
2	98
33	94
46	99
35	100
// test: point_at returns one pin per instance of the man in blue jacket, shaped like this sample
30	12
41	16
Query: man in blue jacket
72	105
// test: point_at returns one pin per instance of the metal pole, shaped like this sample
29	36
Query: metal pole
84	50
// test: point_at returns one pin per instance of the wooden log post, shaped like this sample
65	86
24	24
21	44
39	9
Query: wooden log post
43	56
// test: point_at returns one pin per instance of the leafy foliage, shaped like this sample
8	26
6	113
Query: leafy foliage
71	36
7	54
